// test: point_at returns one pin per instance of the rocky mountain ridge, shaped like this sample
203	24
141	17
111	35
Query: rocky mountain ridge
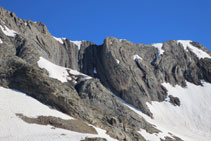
133	72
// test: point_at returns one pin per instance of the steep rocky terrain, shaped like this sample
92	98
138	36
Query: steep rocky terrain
104	85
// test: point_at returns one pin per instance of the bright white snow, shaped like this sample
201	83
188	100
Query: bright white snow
136	57
148	136
1	42
60	40
199	53
15	129
191	121
77	43
8	32
117	61
159	47
58	72
122	40
160	50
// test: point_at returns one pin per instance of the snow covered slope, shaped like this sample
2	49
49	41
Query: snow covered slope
8	32
199	53
191	121
61	73
15	129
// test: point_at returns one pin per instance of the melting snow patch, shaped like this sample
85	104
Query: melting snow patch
159	47
148	136
136	57
199	53
59	39
8	32
160	50
95	71
77	43
122	40
102	133
86	78
61	73
1	42
117	61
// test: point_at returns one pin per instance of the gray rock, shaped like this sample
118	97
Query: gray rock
136	81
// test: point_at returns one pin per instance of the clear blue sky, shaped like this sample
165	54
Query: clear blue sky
140	21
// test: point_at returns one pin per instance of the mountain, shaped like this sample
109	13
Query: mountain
57	89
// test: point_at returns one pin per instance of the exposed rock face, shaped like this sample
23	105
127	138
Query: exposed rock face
134	72
72	125
94	139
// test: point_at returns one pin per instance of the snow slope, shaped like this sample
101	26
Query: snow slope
15	129
190	121
8	32
159	47
77	43
60	40
58	72
160	50
199	53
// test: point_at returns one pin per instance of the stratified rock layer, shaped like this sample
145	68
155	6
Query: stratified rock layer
133	72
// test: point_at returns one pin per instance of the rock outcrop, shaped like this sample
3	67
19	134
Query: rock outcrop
133	72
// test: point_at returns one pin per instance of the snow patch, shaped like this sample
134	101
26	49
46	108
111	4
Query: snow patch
199	53
8	32
26	24
159	47
58	72
59	39
77	43
160	50
148	136
122	40
95	71
191	119
117	61
1	42
86	78
136	57
102	133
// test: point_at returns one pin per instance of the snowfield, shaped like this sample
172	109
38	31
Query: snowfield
58	72
199	53
60	40
191	121
8	32
15	129
77	43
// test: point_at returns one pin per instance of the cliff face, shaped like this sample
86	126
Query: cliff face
133	72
